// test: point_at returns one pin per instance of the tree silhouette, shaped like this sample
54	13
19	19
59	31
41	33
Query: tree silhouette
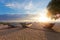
54	7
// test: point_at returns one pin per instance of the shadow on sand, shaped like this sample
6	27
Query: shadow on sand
52	35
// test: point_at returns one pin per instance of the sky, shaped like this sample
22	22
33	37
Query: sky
21	9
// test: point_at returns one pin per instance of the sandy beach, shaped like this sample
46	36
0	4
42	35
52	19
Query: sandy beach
32	33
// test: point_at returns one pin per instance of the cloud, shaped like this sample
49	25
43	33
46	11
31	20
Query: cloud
29	6
14	5
17	17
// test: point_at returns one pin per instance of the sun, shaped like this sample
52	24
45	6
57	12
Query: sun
43	16
44	19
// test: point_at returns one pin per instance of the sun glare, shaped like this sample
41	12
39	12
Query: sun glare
44	19
43	16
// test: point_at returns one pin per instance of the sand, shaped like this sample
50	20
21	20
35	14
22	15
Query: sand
29	34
